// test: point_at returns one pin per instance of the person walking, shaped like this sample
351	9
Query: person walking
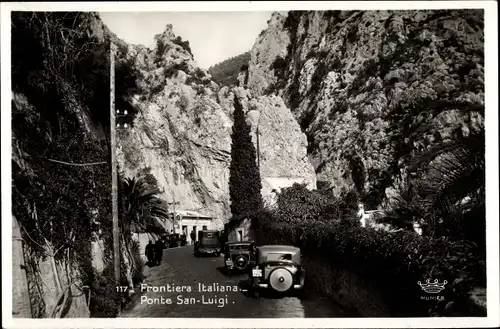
150	253
158	251
193	237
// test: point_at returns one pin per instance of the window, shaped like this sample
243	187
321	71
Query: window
278	257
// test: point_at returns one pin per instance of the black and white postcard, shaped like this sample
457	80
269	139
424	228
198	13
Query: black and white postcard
250	164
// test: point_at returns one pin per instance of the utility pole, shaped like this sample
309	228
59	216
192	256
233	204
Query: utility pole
114	174
258	146
173	204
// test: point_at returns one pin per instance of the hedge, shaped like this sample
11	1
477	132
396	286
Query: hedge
394	261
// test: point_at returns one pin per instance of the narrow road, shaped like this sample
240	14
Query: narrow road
183	272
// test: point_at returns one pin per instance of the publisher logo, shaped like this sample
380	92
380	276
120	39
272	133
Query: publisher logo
432	287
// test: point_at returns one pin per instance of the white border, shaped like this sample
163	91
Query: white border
491	122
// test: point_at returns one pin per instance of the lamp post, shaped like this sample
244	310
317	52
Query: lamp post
114	174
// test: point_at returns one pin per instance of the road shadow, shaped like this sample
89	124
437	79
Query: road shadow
224	271
204	255
234	273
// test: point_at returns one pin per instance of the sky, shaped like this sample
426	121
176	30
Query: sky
213	36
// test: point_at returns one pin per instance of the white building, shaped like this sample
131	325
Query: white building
187	221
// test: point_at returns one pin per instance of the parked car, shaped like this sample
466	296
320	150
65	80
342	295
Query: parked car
239	256
278	268
207	244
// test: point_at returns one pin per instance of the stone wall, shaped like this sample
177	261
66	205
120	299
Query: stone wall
21	307
347	288
245	227
35	292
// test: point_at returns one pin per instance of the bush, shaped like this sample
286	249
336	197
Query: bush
184	44
394	262
182	103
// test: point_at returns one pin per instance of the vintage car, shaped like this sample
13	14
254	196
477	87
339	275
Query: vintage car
207	244
174	240
278	267
238	256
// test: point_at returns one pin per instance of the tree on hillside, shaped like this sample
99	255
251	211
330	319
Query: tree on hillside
226	73
148	177
244	179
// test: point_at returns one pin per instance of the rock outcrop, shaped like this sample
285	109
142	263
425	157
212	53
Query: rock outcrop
350	78
182	130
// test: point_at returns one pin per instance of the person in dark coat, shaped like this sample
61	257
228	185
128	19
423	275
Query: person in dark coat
193	237
150	253
158	251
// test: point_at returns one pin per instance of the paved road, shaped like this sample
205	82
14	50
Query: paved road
182	270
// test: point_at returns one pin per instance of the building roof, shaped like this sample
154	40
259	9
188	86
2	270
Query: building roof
191	214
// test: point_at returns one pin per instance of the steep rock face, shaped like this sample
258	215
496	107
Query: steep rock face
182	130
269	45
352	78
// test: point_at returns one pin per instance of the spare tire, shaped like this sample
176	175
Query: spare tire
241	262
281	279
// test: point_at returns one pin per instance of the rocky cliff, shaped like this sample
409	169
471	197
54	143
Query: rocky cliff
183	125
358	81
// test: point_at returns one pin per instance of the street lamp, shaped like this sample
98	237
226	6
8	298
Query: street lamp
114	172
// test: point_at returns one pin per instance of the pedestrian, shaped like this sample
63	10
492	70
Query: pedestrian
158	251
150	253
193	237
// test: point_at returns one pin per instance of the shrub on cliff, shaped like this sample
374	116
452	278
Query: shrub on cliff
244	179
184	44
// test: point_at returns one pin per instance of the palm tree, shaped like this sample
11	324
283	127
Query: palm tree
451	186
141	204
140	207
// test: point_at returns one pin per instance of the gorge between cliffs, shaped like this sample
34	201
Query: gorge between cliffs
368	134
